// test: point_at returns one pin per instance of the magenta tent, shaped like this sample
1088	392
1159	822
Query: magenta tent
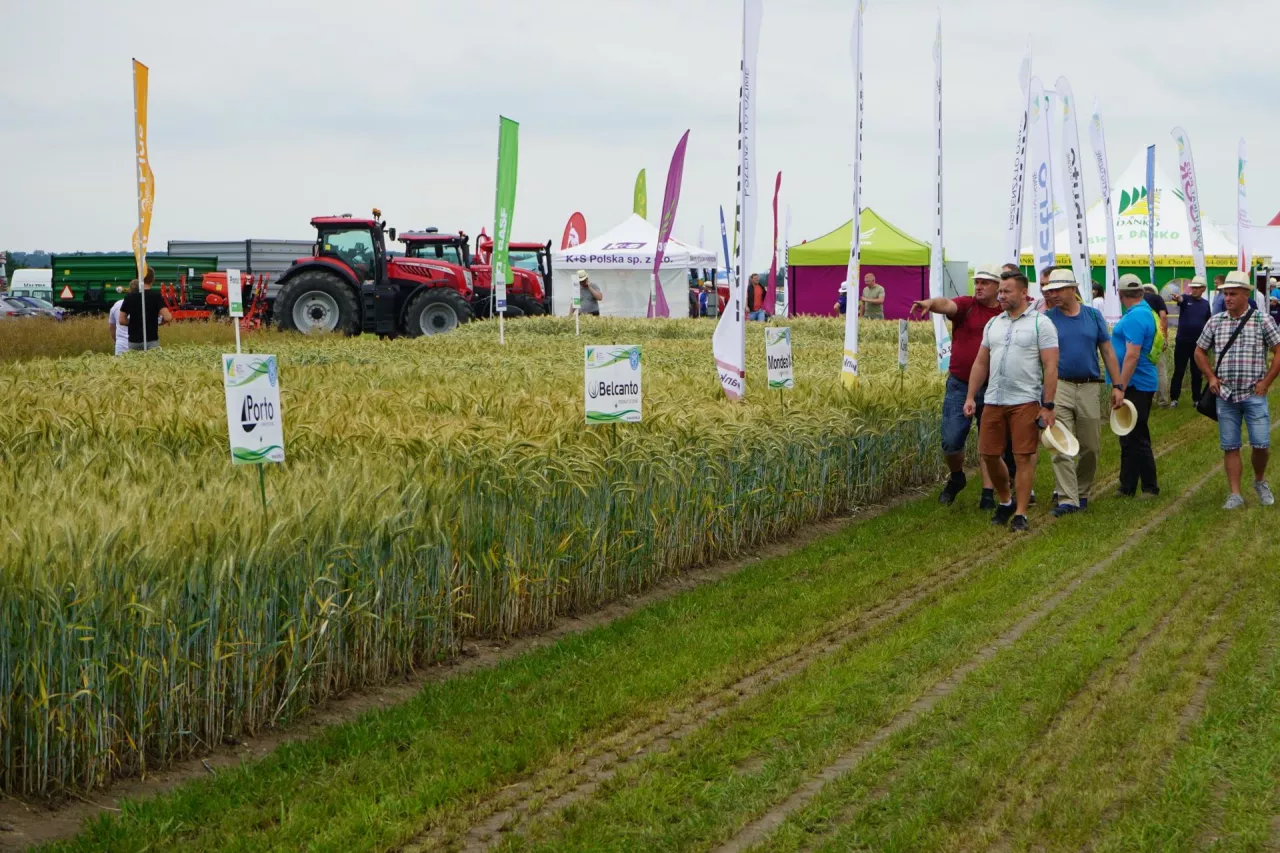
899	262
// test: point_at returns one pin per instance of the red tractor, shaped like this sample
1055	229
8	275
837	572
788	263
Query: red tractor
533	257
350	285
525	296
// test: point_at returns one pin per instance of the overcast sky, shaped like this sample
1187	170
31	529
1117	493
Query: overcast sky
266	113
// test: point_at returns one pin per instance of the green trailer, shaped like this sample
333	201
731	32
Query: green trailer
89	283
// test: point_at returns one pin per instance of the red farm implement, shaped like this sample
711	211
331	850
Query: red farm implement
214	286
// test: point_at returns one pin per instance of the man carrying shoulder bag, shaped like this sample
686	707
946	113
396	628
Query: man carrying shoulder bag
1238	383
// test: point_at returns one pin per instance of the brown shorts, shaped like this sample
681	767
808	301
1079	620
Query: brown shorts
1002	423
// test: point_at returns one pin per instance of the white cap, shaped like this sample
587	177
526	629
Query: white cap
988	272
1235	278
582	275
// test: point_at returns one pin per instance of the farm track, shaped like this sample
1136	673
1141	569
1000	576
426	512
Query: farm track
759	829
578	776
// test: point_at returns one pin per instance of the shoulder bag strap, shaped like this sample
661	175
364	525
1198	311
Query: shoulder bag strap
1239	327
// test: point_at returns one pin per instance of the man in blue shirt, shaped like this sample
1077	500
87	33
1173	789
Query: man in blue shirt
1219	304
1082	336
1193	313
1133	338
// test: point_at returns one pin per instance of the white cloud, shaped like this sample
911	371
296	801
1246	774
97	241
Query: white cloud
266	113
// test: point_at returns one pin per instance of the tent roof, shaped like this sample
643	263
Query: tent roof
631	245
1129	206
883	245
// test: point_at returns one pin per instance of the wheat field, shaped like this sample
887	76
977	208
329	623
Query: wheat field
434	489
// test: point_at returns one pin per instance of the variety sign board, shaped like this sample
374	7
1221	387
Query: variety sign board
777	355
611	384
254	421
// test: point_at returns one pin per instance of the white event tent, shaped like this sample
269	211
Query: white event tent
1129	206
620	263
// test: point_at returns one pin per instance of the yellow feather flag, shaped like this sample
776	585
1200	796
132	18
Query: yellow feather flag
146	181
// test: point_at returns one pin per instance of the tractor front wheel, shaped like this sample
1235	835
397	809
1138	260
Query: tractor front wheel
435	311
318	302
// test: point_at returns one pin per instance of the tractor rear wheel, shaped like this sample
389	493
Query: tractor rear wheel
435	311
316	301
530	306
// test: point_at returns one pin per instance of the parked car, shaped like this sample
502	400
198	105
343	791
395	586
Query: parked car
11	308
41	307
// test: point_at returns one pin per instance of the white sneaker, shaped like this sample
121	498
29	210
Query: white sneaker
1264	493
1233	502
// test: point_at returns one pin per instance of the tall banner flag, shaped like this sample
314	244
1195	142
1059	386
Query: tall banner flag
849	363
771	292
941	337
783	304
503	211
1111	299
640	199
1244	261
1060	196
146	180
1045	246
575	231
1013	232
670	201
1187	177
729	344
1076	227
1152	201
728	259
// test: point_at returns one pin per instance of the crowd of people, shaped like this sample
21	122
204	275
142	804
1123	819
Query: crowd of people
1021	366
134	321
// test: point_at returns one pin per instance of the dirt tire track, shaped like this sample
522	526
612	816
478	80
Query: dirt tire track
759	829
593	764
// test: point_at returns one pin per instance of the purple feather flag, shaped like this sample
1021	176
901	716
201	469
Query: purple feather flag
670	200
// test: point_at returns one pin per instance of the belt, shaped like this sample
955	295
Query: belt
1086	381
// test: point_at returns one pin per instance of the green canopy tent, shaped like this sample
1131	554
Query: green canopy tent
899	262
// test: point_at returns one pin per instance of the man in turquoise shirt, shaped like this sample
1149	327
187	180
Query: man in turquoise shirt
1132	338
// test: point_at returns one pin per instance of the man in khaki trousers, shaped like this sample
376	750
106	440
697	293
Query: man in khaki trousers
1082	336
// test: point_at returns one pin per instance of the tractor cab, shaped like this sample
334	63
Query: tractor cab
432	245
356	243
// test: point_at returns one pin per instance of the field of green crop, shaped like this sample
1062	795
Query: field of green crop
435	489
915	681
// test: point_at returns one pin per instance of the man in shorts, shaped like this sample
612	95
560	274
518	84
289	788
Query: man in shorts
1240	380
969	315
1018	362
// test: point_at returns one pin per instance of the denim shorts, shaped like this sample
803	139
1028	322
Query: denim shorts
955	426
1252	411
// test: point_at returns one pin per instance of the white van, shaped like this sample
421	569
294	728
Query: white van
37	283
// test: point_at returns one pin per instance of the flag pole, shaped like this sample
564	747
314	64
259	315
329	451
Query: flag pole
140	257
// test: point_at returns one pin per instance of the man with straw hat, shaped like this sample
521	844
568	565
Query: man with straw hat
1240	338
969	315
1018	363
1133	337
1082	336
1193	313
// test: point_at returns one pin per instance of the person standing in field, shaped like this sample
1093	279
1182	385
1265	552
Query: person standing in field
142	316
119	333
755	299
590	296
1018	362
969	315
1099	299
1132	338
1193	315
1240	380
872	299
1082	337
1219	303
842	299
1160	350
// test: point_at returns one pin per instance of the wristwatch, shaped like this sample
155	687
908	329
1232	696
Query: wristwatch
1048	406
1120	386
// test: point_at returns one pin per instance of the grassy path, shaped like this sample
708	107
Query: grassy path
917	681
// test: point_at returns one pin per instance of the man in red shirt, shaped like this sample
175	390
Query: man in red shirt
969	316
